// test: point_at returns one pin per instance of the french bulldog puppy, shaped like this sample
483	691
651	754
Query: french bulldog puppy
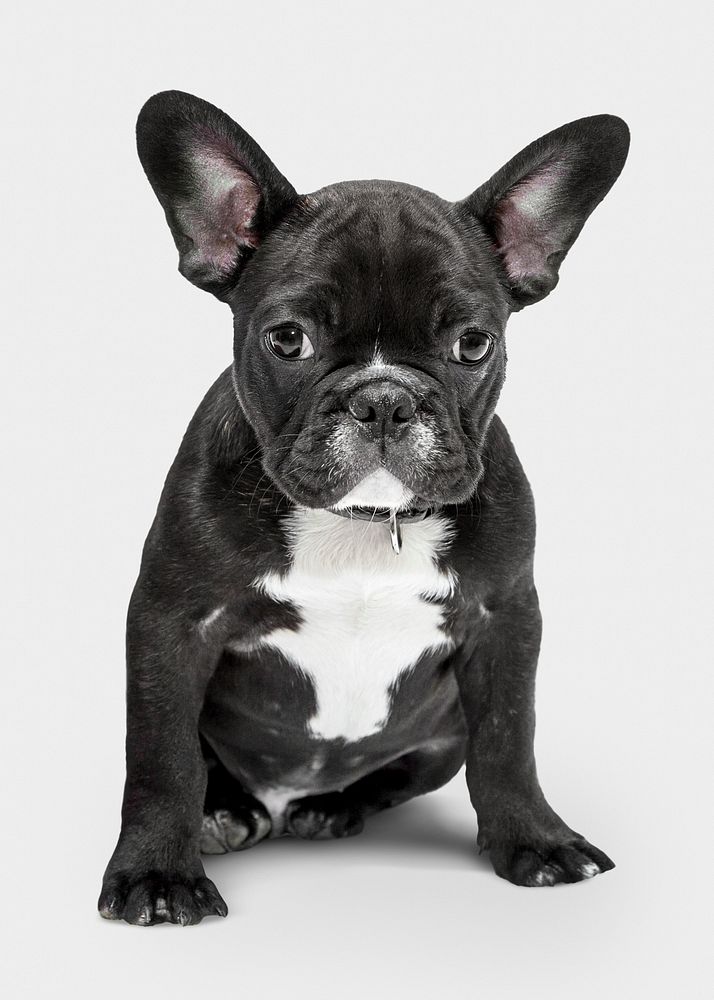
336	607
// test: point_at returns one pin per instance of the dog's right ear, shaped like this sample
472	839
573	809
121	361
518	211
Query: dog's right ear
219	190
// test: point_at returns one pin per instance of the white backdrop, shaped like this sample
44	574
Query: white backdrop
107	351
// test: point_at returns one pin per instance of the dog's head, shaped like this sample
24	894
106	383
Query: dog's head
369	316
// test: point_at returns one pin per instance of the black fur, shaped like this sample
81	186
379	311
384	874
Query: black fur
356	265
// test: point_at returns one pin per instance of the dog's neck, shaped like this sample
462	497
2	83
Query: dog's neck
394	518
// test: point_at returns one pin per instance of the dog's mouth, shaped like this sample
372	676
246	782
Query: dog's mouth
380	490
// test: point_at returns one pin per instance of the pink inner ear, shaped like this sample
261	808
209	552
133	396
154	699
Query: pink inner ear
524	233
223	215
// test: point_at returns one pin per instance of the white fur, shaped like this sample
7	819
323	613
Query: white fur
379	489
276	801
385	369
301	781
364	618
204	625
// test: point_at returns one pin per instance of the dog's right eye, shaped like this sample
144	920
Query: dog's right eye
289	343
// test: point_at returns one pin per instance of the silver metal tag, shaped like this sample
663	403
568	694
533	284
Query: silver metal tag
395	532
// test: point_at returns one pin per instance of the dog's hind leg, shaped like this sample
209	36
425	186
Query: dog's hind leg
342	814
233	819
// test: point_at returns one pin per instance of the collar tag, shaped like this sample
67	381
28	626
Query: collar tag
395	532
386	515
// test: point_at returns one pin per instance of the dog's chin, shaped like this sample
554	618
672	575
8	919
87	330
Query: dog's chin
379	489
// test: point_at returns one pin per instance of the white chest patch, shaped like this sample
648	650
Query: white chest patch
365	620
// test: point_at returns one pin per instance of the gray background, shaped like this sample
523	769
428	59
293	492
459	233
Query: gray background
107	351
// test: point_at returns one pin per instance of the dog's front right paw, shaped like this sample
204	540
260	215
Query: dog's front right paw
158	897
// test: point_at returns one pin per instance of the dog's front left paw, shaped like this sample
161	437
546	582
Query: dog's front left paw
530	865
159	897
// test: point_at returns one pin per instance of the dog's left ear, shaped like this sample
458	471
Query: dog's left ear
534	208
219	190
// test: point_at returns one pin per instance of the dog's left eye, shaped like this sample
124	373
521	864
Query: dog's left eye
471	348
289	343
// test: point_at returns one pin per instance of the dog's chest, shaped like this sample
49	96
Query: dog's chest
367	616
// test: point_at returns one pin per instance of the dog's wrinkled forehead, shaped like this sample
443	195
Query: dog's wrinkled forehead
381	265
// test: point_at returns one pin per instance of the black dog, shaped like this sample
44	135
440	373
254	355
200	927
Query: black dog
336	605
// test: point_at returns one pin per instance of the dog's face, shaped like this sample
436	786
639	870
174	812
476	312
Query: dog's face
369	316
369	347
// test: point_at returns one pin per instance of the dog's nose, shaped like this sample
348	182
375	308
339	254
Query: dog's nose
382	407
